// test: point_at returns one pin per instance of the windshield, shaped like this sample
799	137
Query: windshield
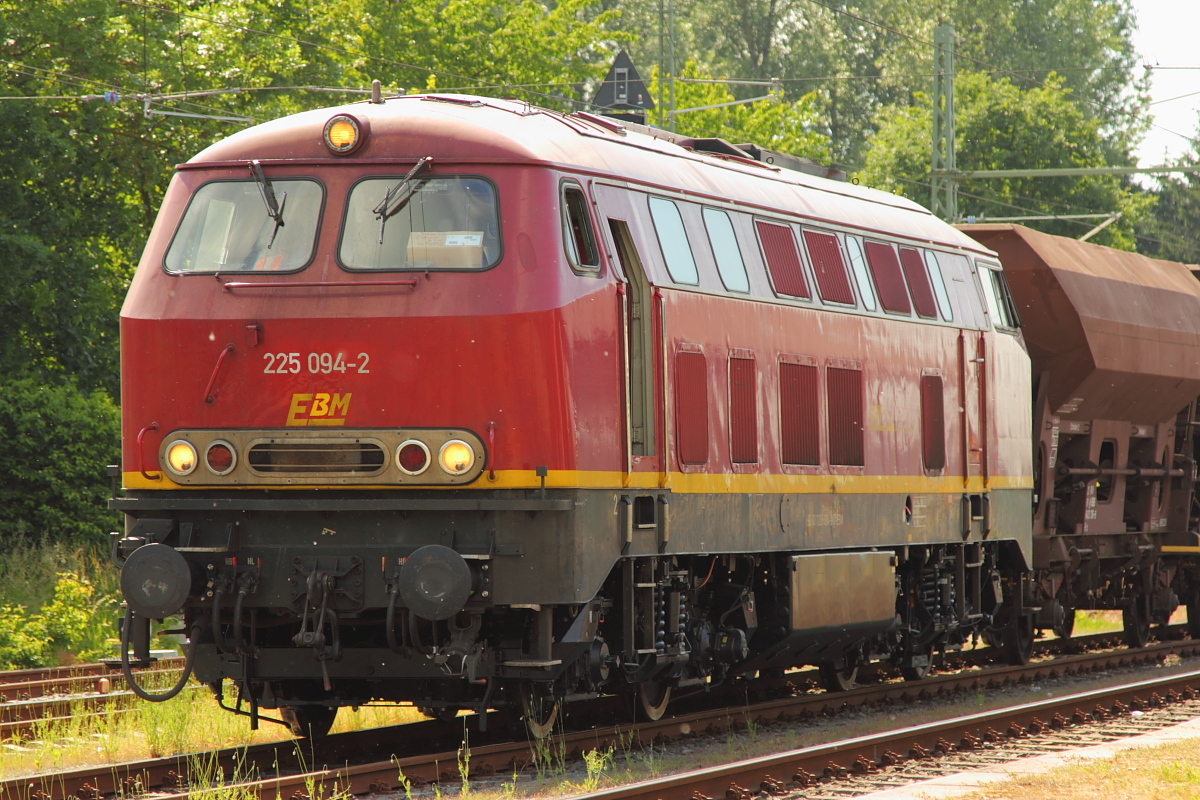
446	223
226	228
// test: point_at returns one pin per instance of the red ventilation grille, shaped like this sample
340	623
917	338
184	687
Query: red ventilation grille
845	416
829	268
918	283
886	269
783	260
691	401
799	414
933	423
743	410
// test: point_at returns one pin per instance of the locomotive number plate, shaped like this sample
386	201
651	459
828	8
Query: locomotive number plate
317	363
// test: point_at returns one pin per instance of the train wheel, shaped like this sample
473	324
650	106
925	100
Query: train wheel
541	709
838	680
653	697
309	722
1064	629
1017	639
1136	617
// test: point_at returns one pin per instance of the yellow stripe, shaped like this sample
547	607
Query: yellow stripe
1172	548
683	482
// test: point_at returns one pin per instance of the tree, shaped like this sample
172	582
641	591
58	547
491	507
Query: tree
786	126
1172	230
1000	126
57	443
872	53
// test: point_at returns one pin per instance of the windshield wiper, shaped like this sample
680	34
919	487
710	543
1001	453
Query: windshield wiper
274	208
396	196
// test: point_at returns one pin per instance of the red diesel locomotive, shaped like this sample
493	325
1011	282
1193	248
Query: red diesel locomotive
470	404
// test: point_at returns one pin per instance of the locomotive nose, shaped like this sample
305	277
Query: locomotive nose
155	581
435	582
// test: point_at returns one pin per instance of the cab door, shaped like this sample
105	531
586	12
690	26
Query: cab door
641	312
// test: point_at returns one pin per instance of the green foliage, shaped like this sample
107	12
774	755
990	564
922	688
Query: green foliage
1173	231
786	126
857	67
1000	126
74	623
548	49
57	443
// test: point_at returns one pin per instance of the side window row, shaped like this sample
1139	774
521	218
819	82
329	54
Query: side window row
900	279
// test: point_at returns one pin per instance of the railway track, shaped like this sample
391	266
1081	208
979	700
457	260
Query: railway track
871	757
39	699
427	751
29	684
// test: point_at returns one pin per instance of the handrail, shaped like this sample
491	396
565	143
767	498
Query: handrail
153	426
208	392
309	284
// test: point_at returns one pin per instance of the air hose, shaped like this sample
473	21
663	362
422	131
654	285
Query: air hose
189	661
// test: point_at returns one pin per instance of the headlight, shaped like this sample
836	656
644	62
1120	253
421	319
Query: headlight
343	134
181	457
412	457
456	457
220	457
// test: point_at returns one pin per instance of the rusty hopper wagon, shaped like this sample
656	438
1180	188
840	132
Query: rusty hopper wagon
1114	341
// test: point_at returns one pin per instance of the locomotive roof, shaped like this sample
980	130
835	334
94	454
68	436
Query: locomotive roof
464	129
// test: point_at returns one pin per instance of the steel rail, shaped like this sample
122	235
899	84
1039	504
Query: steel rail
422	766
868	753
498	759
31	716
37	685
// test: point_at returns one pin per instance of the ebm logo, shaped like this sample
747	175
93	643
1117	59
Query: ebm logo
325	409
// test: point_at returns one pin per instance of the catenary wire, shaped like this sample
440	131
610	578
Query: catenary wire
68	79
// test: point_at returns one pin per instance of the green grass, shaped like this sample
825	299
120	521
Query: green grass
1088	623
189	723
1092	622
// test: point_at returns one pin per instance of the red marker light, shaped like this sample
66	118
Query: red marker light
412	457
219	457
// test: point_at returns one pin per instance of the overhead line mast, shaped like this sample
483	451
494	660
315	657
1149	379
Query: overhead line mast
945	177
944	189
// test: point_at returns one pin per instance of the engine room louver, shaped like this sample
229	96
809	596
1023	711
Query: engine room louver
933	422
743	410
316	458
845	416
799	413
691	397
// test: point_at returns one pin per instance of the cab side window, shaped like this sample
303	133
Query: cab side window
1001	306
577	230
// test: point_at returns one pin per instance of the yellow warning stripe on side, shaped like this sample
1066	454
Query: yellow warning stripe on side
682	482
